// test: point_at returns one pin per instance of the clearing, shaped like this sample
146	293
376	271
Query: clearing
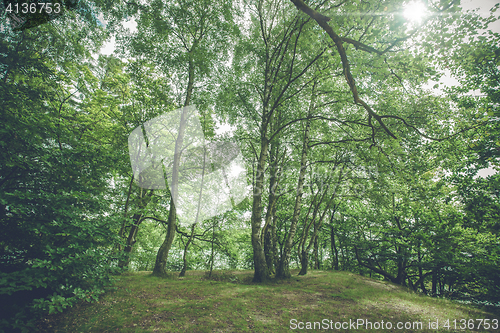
230	302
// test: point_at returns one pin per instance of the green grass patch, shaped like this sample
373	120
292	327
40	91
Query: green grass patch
230	302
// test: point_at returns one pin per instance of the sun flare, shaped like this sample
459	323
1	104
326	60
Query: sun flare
415	11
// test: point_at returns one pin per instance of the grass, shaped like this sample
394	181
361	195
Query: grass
230	302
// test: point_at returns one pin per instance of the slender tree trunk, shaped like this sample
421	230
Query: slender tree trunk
261	272
434	282
125	211
134	228
274	240
283	271
401	254
333	245
316	252
317	223
304	258
270	213
184	256
272	95
335	251
303	251
161	257
420	273
401	277
131	239
268	249
343	249
212	251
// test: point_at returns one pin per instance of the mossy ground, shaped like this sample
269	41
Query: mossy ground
230	302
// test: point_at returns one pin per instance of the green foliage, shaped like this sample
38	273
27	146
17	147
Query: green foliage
411	210
57	233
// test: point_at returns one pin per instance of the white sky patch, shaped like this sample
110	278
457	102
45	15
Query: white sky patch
109	47
247	215
486	172
446	80
224	128
482	8
130	24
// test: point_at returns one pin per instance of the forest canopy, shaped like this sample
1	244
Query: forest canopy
358	154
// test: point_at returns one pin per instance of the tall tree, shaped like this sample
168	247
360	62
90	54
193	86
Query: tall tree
271	74
183	38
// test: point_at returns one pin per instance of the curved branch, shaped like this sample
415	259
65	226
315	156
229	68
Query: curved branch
322	20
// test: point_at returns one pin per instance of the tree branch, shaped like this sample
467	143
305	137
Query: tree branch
322	20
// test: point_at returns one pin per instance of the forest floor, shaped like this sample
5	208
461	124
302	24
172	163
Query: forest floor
230	302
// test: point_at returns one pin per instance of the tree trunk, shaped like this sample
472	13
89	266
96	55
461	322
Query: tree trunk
134	228
335	251
261	272
304	262
198	208
434	282
184	256
125	211
316	223
316	252
400	252
131	239
212	253
268	249
283	271
420	273
271	209
401	277
161	257
273	94
274	240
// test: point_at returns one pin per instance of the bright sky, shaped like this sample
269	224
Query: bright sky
483	7
109	47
